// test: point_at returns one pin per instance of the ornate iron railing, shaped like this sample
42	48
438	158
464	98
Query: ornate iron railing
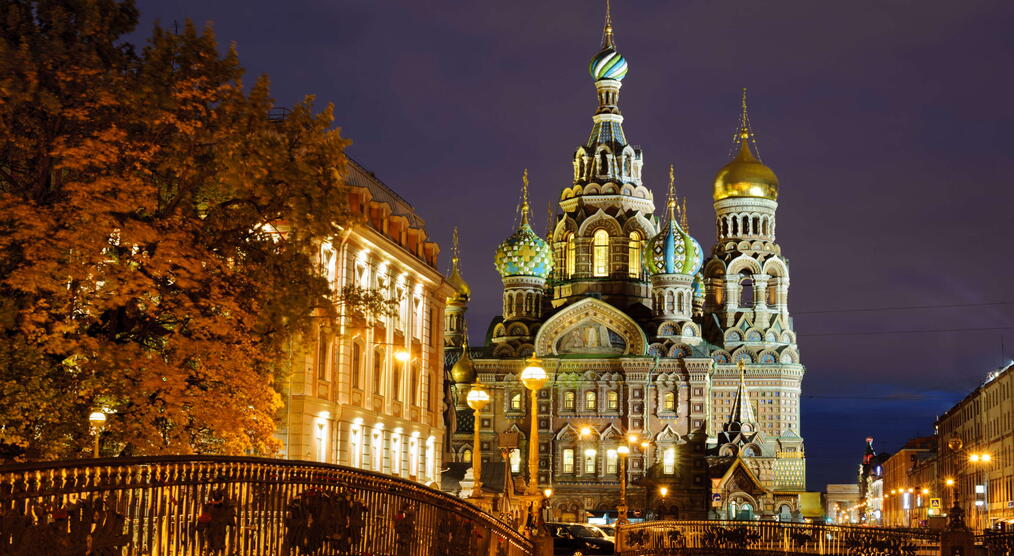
669	537
191	505
998	543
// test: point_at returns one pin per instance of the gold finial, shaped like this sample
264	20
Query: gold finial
524	198
670	202
549	221
741	365
607	30
455	253
744	125
683	217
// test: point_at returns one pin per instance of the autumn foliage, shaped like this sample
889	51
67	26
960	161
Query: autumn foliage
157	232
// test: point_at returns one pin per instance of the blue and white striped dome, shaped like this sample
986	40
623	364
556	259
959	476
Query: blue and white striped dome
608	64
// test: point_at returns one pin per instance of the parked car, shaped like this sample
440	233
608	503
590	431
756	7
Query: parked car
574	538
608	530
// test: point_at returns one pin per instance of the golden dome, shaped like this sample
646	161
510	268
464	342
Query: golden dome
461	288
463	371
745	176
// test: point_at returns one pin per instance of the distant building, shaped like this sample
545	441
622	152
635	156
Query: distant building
366	390
983	422
871	485
906	498
841	503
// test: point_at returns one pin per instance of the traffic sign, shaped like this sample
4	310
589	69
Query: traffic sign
935	503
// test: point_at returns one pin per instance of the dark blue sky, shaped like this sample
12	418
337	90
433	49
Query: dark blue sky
889	123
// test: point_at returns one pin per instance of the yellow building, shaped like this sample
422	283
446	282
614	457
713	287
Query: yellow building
906	494
367	391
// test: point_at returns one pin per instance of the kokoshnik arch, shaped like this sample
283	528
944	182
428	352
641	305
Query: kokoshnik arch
644	333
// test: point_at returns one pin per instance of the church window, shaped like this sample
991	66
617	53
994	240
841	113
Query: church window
746	292
612	461
603	163
756	226
600	254
589	461
357	362
569	256
466	456
634	255
510	305
568	460
669	401
568	401
613	400
590	400
669	461
515	461
378	369
735	226
516	401
626	165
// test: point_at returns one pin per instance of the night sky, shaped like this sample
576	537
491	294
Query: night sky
889	123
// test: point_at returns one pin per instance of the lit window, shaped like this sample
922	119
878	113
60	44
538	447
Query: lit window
357	362
669	461
613	400
600	253
612	459
431	458
466	456
589	461
569	256
516	401
322	344
591	401
568	460
515	461
376	449
568	401
634	255
356	445
396	452
669	401
378	369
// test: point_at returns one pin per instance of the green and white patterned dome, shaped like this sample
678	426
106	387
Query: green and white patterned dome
524	253
608	64
673	252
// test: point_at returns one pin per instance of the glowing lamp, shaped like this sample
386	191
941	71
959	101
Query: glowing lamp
97	419
585	431
534	377
949	482
477	397
548	492
925	491
402	355
622	450
986	458
632	438
645	444
664	491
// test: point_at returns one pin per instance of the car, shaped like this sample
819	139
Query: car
579	538
608	530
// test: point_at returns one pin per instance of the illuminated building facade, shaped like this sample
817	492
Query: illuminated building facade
366	390
645	334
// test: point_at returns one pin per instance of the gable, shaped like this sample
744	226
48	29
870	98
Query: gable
590	327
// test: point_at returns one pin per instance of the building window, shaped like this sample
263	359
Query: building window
396	381
570	255
589	461
356	445
357	363
431	459
669	401
414	382
322	354
568	401
600	253
591	400
568	460
634	255
413	456
612	461
669	461
515	461
466	456
378	370
377	449
396	452
613	400
516	401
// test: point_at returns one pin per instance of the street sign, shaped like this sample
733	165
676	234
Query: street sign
716	497
935	503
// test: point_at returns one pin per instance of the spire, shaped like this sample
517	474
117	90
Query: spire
455	252
742	411
607	29
745	134
683	217
463	291
524	198
670	202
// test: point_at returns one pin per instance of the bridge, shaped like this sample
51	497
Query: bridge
195	505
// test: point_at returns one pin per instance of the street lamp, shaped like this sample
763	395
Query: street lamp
955	518
477	399
621	509
663	491
98	423
402	355
534	377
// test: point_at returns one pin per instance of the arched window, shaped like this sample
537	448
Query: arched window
568	461
515	461
569	256
600	253
466	456
626	165
378	370
612	461
591	400
613	400
357	363
568	401
746	292
634	255
589	461
603	164
516	401
669	401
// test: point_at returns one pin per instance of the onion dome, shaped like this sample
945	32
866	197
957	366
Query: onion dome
698	286
745	175
673	250
463	371
608	63
524	253
462	291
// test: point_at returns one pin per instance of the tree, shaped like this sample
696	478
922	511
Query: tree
158	231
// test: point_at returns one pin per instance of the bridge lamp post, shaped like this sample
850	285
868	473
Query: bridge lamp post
534	377
97	419
621	509
663	491
477	399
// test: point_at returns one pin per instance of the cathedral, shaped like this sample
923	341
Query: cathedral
677	368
